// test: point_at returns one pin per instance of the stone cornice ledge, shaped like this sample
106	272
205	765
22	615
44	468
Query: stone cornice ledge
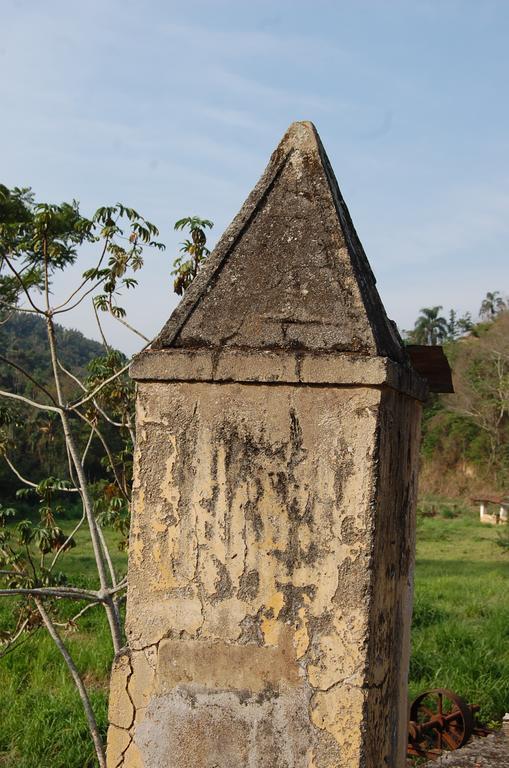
277	367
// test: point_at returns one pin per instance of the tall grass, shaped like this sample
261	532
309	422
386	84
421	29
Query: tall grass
41	717
42	724
460	632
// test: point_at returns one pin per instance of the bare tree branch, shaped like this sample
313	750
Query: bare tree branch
85	280
108	418
127	325
77	303
87	446
111	613
96	404
89	713
71	376
74	619
18	475
108	453
30	483
32	403
22	284
94	392
73	593
107	556
10	308
11	573
68	540
12	640
30	377
103	337
120	586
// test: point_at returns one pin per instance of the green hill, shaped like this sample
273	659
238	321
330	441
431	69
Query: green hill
23	340
465	440
35	441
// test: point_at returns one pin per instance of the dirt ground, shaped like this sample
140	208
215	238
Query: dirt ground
489	752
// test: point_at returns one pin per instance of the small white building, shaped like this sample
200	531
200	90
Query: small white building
493	509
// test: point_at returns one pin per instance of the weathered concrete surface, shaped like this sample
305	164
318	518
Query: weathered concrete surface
297	276
272	538
277	366
270	565
489	752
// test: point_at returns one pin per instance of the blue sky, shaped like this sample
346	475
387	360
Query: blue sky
174	108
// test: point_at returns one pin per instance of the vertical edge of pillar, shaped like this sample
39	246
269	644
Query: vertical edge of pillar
393	560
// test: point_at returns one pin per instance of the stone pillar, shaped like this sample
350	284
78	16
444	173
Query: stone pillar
272	540
482	511
503	514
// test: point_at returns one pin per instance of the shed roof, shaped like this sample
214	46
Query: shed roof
491	499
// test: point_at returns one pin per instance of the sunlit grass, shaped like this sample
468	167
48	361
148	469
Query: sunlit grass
42	724
460	634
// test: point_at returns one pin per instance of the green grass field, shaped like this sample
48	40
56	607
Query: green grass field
460	640
41	717
460	632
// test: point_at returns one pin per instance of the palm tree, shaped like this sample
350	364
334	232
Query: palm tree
492	304
430	327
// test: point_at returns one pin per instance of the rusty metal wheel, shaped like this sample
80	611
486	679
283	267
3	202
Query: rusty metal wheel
439	720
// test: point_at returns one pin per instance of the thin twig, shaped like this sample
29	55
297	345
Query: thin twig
12	573
89	442
30	483
99	387
108	453
11	646
103	337
77	303
30	377
71	376
19	632
107	556
120	586
68	540
18	475
96	404
86	279
108	418
20	281
74	619
10	308
127	325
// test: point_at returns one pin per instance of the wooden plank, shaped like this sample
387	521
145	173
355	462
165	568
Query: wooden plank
431	363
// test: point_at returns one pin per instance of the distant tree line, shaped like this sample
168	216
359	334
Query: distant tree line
433	328
35	440
465	442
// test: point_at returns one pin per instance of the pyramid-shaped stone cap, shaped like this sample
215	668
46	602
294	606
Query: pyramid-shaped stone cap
289	273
